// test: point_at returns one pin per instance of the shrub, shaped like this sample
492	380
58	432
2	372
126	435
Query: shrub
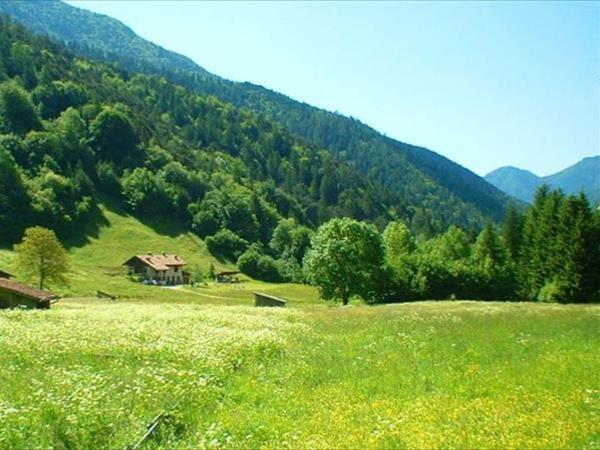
259	266
554	291
226	244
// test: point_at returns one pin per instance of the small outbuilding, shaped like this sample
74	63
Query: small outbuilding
14	295
261	299
227	276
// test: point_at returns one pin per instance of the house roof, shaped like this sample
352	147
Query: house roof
26	291
162	261
4	274
227	272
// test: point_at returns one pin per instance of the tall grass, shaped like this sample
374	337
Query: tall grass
87	374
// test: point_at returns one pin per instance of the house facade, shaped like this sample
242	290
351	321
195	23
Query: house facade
163	269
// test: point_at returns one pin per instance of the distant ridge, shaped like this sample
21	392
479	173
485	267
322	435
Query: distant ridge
428	182
78	29
522	184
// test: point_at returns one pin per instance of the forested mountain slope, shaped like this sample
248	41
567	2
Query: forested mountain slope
582	176
517	182
73	130
434	188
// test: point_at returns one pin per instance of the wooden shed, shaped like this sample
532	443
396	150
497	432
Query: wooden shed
13	294
227	276
261	299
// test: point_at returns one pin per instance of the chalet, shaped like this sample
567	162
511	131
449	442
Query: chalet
13	294
4	274
163	269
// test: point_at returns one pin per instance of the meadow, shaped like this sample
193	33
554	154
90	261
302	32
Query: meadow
93	374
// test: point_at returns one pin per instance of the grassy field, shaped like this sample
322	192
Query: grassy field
92	374
96	264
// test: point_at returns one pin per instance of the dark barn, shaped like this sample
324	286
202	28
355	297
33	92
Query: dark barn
13	295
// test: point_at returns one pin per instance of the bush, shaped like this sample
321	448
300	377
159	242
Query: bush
248	261
259	266
226	244
554	292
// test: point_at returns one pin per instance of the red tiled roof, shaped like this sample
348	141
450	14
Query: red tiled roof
36	294
159	262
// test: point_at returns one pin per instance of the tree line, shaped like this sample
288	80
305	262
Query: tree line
550	253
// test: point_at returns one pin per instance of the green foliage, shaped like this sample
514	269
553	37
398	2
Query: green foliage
344	259
227	245
512	233
41	257
253	262
15	211
113	136
448	192
17	114
161	149
554	292
488	251
145	191
59	202
290	240
57	96
560	248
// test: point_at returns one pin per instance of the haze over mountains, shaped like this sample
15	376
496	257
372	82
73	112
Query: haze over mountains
427	182
522	184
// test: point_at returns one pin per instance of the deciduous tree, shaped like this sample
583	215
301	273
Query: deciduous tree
41	257
345	260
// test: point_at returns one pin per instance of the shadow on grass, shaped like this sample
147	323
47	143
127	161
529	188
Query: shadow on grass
89	229
164	225
161	225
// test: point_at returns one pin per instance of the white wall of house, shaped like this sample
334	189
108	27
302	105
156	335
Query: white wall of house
172	276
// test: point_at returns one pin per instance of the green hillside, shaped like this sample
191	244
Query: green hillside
96	264
424	180
71	130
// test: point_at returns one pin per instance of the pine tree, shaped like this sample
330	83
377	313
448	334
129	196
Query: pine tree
488	251
512	233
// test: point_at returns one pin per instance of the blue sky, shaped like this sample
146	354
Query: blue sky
486	84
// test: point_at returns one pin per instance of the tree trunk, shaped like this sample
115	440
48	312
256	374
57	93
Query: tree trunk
345	301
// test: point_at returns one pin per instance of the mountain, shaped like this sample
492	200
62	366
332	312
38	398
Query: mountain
517	182
74	132
522	184
79	28
427	182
